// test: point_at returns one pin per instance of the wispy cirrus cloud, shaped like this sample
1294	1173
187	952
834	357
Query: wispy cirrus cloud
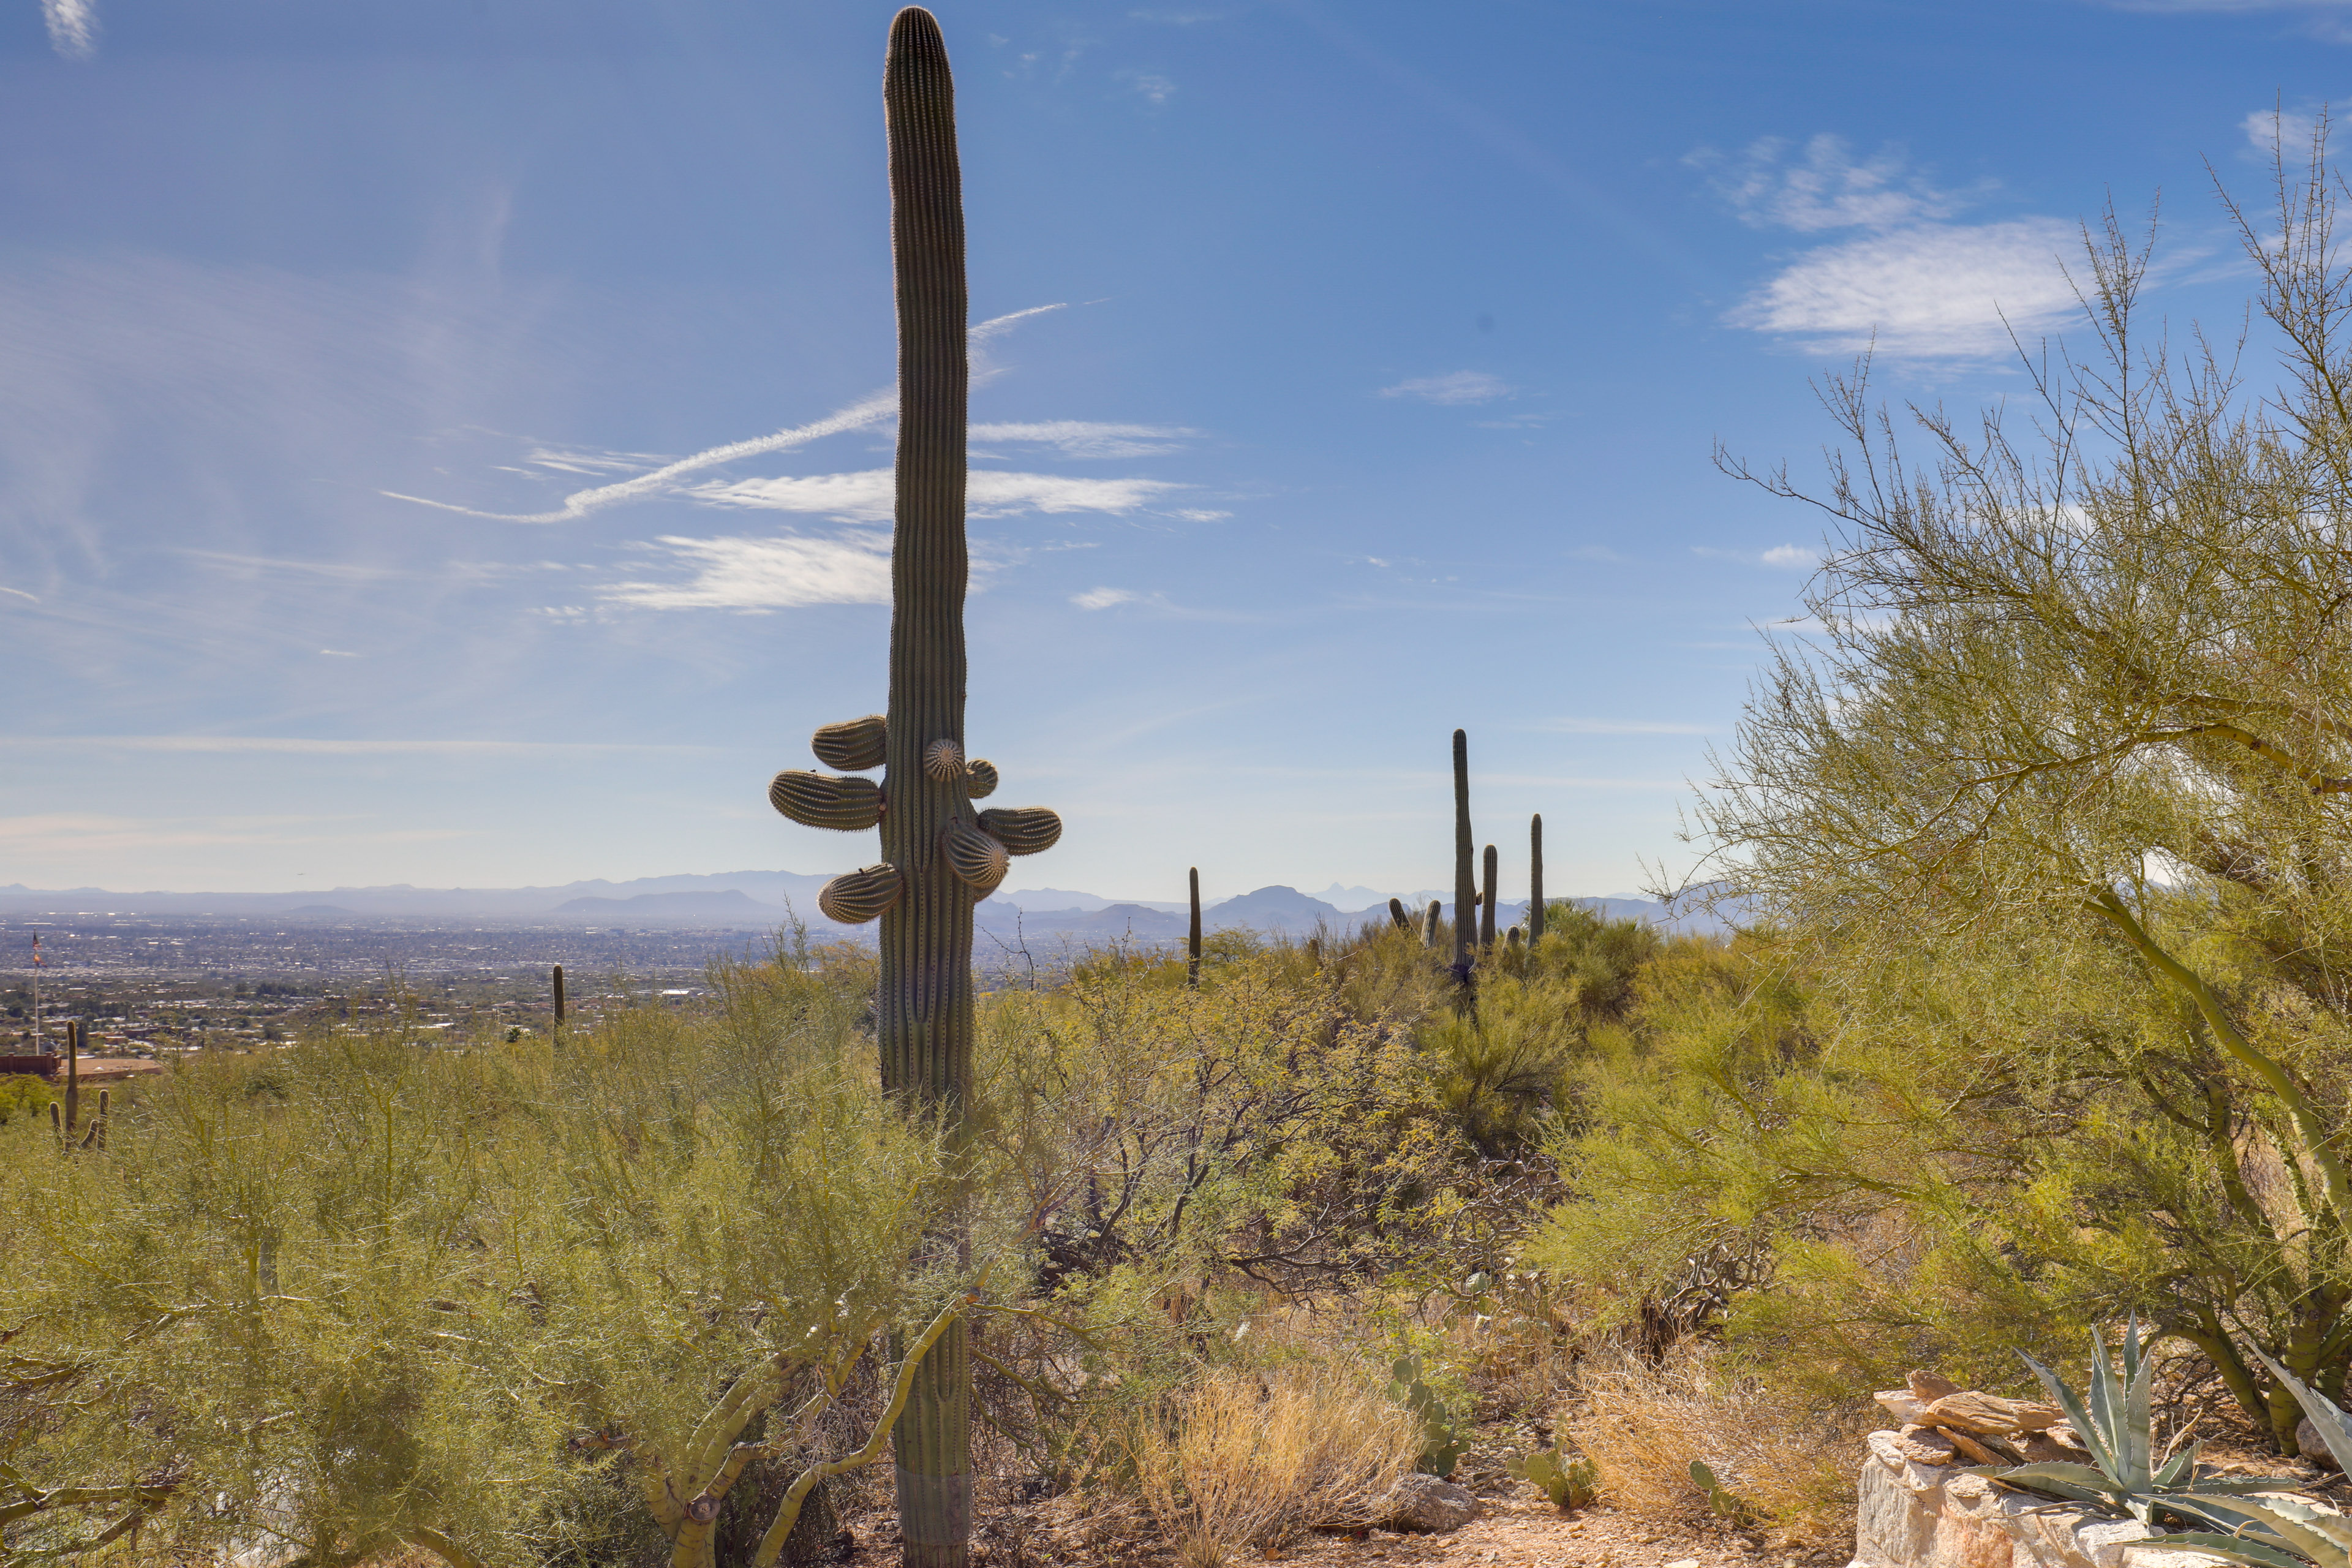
1087	439
1454	388
73	27
869	496
874	409
1823	185
1104	598
784	572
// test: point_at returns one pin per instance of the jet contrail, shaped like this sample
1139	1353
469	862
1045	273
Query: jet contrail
869	410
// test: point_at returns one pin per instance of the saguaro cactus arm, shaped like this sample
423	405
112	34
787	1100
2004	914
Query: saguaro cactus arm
826	800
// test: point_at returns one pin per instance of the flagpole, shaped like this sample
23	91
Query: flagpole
37	995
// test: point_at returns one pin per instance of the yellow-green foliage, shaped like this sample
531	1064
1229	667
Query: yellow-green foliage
357	1293
23	1094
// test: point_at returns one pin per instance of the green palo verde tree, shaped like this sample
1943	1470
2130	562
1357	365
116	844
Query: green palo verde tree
2076	731
942	853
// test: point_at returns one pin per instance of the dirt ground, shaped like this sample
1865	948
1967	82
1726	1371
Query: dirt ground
1520	1528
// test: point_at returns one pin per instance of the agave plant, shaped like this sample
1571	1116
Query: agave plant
2278	1531
2127	1473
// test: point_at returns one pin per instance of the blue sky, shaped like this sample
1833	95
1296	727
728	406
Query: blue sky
371	377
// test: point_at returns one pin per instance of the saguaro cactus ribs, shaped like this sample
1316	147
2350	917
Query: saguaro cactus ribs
941	854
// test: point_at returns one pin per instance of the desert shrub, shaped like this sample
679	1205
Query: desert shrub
503	1305
26	1095
1774	1460
1243	1460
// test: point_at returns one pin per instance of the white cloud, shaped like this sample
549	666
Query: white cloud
2270	131
1824	187
868	496
1931	291
1104	598
1156	89
1787	555
1455	387
1201	514
740	574
872	409
73	26
1085	438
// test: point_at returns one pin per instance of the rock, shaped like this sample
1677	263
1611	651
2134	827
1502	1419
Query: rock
1425	1503
1925	1446
1930	1386
1899	1404
2308	1443
1989	1414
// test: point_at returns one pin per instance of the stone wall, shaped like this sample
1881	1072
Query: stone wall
1914	1515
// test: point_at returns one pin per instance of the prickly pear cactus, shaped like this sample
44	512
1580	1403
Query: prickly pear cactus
1442	1442
940	853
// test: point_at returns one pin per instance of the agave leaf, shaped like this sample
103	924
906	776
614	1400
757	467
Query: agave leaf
2312	1543
2244	1486
2131	1346
2334	1526
2138	1429
2333	1427
2323	1537
2106	1410
2180	1465
2236	1549
2085	1428
2075	1483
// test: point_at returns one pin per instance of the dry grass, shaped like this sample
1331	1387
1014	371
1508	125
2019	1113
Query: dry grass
1257	1459
1642	1425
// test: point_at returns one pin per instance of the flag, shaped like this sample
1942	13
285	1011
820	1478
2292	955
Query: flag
36	950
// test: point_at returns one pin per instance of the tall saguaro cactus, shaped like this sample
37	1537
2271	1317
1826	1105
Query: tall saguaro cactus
1192	942
1465	890
1487	898
941	853
1535	879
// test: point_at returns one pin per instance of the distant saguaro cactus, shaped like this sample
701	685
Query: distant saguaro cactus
1193	963
73	1075
1465	890
1486	902
1397	916
1535	879
1431	919
557	979
940	854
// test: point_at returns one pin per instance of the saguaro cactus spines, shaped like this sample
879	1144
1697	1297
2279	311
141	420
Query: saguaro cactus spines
1193	963
1535	879
1465	891
1486	902
941	854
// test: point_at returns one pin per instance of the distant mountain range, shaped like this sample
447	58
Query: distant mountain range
766	898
